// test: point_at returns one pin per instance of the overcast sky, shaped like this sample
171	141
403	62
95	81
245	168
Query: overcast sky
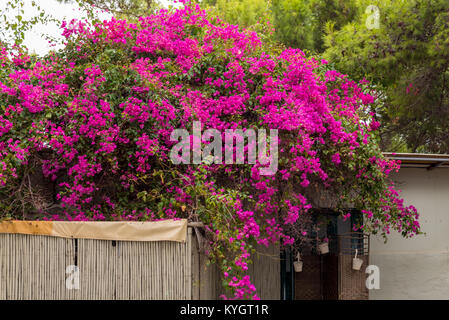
33	39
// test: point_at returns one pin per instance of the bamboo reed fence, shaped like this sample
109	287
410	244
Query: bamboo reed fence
36	267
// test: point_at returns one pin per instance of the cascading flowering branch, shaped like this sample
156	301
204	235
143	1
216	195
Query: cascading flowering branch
94	120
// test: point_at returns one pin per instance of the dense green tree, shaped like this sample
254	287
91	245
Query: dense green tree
293	23
245	13
407	59
297	23
329	15
405	56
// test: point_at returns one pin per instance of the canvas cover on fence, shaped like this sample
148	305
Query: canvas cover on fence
164	230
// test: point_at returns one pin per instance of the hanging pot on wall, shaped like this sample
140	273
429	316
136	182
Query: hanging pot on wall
298	264
356	262
323	248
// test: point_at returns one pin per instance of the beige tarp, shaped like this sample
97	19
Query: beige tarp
164	230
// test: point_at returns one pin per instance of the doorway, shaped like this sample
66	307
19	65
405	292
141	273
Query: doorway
329	276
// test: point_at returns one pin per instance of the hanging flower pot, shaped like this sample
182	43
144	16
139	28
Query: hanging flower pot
298	263
356	262
298	266
323	248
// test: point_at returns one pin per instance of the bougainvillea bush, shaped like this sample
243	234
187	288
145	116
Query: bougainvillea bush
85	135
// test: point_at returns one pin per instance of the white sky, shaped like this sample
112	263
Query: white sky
33	38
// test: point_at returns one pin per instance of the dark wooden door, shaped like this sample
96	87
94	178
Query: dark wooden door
330	277
308	282
318	279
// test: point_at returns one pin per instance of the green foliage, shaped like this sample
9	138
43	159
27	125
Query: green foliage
297	23
407	57
244	13
293	23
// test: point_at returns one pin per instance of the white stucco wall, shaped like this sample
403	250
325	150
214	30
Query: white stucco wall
417	268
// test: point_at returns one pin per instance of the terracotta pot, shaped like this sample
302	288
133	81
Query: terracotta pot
323	248
357	263
298	266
